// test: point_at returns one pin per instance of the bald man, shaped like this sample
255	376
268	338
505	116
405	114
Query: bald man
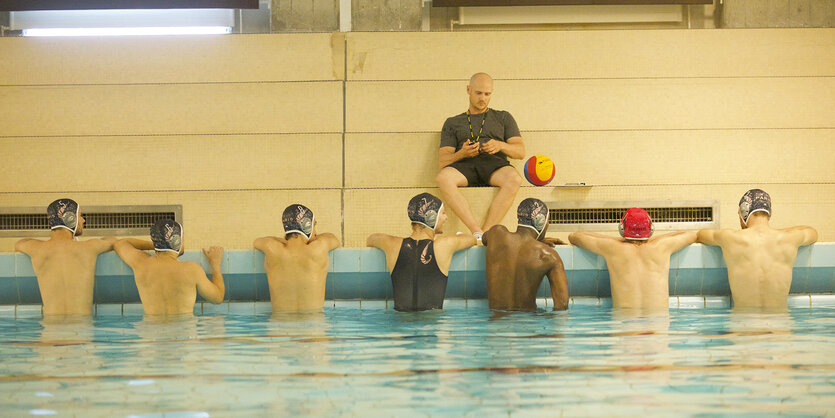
475	146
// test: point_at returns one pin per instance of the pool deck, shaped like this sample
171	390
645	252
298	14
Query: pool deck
358	275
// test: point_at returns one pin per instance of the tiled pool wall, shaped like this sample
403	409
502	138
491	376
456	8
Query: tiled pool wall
358	277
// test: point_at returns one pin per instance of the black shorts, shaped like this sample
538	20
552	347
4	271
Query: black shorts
478	169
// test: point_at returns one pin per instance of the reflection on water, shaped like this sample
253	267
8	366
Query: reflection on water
588	360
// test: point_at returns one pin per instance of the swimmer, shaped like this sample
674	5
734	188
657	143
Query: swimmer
64	266
759	257
167	285
517	261
639	264
419	263
297	265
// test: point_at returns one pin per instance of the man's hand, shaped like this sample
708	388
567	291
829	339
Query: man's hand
554	241
214	254
468	150
492	146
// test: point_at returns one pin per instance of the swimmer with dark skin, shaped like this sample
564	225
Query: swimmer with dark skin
517	262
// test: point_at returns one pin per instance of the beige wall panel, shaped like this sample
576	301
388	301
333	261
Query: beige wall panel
171	109
687	157
170	59
399	160
591	54
171	163
793	205
601	104
232	219
616	157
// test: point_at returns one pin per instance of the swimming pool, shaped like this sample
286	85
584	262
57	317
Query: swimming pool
463	361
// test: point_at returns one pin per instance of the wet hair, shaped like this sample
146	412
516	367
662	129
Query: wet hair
298	219
754	200
63	213
167	235
532	213
424	209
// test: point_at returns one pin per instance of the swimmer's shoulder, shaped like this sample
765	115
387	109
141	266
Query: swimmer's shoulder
496	232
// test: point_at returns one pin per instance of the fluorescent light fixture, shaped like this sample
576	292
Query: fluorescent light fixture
141	31
123	22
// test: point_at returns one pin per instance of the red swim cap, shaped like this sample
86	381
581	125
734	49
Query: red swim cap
636	224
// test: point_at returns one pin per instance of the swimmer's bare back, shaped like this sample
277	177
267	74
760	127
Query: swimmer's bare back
760	260
297	270
65	270
516	264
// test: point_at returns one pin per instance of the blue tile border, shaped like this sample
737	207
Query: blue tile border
260	308
360	273
7	265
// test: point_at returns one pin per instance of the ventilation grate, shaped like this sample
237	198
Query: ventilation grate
100	221
613	215
605	216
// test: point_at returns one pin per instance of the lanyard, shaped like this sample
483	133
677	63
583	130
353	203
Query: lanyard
470	124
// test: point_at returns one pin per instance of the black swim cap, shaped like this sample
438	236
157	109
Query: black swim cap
63	213
298	218
754	200
424	209
167	235
532	213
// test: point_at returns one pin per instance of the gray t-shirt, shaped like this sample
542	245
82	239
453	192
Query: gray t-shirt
499	125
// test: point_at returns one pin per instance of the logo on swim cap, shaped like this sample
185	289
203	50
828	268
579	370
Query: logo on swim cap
532	213
167	235
635	224
298	219
63	213
754	200
424	209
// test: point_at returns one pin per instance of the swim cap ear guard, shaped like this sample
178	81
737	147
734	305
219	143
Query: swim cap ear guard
533	213
424	209
63	213
754	200
298	219
167	235
635	224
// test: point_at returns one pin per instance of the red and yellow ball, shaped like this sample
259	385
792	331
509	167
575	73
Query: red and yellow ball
539	170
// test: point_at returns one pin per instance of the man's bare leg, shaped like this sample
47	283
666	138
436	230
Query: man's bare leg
449	180
508	182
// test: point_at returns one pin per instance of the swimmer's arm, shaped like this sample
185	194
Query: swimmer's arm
678	240
708	236
27	245
265	244
804	235
380	241
454	243
596	243
214	290
141	244
464	241
327	239
559	285
101	245
554	241
390	245
128	252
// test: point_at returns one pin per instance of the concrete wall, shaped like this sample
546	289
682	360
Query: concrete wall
235	128
305	15
778	14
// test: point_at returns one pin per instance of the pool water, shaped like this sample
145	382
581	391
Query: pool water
590	360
